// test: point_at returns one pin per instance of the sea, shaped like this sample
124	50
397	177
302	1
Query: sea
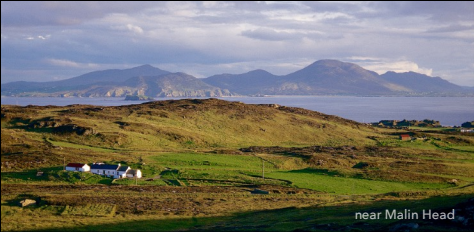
450	111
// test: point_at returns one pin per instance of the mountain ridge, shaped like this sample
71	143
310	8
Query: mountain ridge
322	77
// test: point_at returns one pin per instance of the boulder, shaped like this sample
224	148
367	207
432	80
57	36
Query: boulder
27	202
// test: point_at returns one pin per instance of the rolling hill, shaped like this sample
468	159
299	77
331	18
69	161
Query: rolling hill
193	123
202	159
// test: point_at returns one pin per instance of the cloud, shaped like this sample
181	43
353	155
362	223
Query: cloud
381	66
135	29
40	37
70	64
129	27
277	67
268	34
213	37
451	28
57	13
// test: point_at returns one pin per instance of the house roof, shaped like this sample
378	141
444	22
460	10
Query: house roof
75	165
123	168
404	135
105	166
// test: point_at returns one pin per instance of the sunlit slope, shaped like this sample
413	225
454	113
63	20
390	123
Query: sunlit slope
203	123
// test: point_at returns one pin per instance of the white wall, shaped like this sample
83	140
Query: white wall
139	174
108	172
85	168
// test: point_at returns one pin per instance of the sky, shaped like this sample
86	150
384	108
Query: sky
46	41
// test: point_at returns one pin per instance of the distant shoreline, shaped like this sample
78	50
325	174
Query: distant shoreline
450	111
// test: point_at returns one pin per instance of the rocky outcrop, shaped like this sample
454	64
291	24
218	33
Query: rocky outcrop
47	122
60	126
27	202
72	128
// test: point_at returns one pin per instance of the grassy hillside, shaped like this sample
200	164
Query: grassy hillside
201	159
169	125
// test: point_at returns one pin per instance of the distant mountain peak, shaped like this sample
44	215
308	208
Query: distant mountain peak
331	64
419	82
145	67
258	71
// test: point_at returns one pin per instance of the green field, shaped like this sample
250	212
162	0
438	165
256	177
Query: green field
210	161
316	180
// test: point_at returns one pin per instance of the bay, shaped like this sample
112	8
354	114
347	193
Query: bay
450	111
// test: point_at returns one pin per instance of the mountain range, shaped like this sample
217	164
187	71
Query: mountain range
328	77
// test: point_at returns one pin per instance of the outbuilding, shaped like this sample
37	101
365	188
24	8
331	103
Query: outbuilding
78	167
134	173
405	137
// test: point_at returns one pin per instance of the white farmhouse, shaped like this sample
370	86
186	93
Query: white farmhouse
111	170
77	167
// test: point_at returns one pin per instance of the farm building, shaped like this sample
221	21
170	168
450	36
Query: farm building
132	173
405	137
77	167
116	170
122	171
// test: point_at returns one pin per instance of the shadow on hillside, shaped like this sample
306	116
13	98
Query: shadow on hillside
317	172
316	218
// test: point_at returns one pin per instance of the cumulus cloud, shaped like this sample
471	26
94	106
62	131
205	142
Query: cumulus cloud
70	64
381	66
129	27
135	29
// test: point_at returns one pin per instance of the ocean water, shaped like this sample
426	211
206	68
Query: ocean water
450	111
